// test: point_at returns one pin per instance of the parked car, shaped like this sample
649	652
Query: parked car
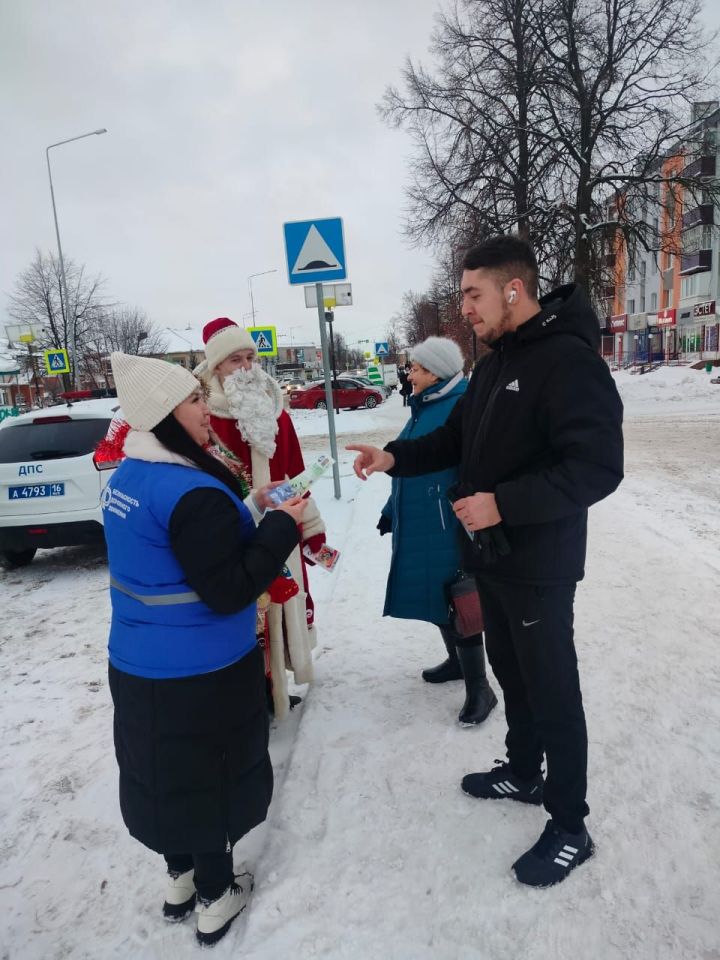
288	386
347	393
50	479
383	388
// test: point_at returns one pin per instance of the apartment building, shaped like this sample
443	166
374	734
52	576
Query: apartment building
663	305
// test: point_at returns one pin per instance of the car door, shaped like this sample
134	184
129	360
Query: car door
348	394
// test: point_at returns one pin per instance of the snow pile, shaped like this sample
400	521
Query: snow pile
669	391
371	851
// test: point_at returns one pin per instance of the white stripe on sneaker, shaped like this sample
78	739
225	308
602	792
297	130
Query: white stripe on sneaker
511	786
570	849
501	788
562	863
567	857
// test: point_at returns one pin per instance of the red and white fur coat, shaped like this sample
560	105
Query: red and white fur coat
248	417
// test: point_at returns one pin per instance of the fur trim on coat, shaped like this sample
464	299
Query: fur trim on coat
301	639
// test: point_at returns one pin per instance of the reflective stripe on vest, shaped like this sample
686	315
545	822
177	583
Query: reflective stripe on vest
157	600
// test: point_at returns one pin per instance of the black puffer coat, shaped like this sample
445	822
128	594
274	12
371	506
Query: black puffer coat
540	427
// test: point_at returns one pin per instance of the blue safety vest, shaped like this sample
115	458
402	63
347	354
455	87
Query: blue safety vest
160	626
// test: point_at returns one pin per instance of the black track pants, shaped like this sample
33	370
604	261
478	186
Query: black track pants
529	642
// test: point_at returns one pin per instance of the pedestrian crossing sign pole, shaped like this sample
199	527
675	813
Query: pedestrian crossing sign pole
56	362
265	340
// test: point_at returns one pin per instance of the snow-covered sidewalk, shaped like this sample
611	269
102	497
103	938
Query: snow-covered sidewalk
371	851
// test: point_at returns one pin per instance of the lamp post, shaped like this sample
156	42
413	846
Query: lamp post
250	280
69	316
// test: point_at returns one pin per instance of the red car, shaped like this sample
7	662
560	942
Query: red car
347	393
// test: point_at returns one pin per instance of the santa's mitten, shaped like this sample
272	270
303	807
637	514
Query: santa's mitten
314	544
283	587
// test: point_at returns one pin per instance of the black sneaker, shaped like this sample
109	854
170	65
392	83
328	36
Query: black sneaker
500	783
556	853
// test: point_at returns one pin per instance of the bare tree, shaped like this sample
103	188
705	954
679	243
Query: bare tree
556	119
124	328
484	163
37	300
622	77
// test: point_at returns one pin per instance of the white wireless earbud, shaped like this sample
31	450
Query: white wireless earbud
511	297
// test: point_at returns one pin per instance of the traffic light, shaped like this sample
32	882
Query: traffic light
329	316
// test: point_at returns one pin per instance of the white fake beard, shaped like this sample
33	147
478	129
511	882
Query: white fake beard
253	408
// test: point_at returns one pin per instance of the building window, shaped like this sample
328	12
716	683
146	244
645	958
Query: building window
642	303
643	268
653	303
653	266
630	306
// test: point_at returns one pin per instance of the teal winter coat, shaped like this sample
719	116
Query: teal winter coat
425	533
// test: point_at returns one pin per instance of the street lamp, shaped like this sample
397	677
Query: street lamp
250	280
69	316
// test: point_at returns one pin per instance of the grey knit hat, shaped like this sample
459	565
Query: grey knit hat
440	356
149	389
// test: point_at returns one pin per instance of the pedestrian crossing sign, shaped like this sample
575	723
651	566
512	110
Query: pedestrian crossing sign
56	361
265	339
382	348
315	250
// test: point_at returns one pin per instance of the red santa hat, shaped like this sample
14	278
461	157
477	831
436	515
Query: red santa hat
223	337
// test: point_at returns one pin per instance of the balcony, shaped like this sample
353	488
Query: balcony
702	167
704	215
696	262
608	293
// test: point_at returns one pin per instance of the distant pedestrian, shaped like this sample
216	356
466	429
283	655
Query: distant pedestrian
187	565
406	387
538	440
426	534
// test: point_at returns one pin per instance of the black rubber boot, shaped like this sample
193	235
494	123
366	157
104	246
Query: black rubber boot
479	697
449	669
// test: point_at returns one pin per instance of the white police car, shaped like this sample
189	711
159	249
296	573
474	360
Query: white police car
50	478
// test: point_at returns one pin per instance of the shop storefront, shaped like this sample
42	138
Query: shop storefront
664	347
698	331
618	331
638	337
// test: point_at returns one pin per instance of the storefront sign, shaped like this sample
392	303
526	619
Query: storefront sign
706	309
666	318
618	323
637	321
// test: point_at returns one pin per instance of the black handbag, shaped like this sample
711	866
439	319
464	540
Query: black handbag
465	609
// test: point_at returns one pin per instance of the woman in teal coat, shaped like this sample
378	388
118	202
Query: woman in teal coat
425	532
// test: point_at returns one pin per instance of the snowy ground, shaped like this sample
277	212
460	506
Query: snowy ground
371	851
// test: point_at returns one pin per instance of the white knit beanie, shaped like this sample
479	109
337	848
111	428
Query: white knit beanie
149	389
223	337
440	356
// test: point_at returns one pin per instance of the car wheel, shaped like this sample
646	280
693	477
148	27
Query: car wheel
321	405
18	558
370	402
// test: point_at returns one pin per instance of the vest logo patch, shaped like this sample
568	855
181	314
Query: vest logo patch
117	502
514	386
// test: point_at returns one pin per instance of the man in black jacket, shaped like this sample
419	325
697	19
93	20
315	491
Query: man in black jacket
538	437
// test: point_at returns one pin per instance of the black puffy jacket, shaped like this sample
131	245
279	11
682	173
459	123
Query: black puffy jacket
541	427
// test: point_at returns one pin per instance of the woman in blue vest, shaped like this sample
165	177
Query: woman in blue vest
187	565
425	532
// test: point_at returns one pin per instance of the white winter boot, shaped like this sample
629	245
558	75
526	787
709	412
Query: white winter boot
179	896
215	916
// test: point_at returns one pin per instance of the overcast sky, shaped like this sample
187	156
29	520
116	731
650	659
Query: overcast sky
225	119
